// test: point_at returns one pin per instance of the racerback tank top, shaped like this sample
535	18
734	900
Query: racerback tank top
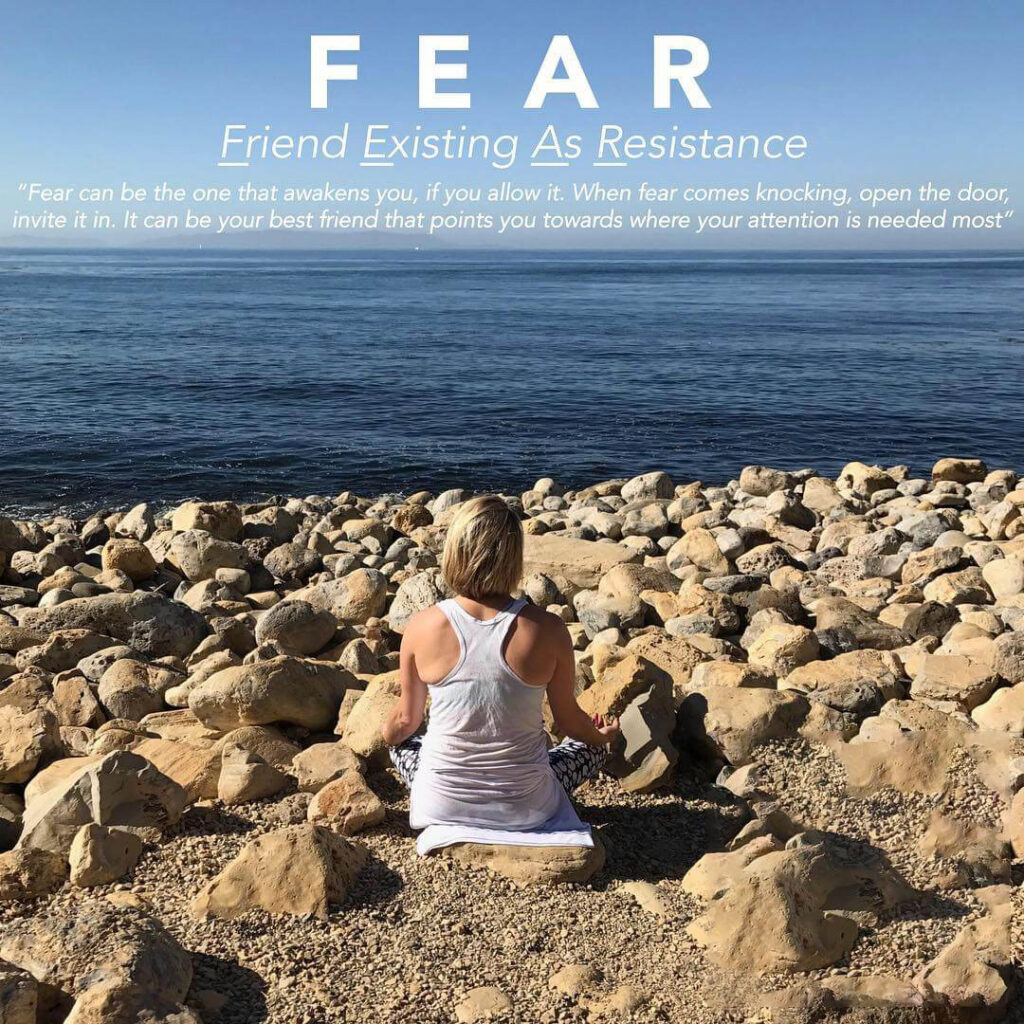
484	757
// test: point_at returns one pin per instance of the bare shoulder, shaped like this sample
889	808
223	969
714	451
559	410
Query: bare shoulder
423	624
542	626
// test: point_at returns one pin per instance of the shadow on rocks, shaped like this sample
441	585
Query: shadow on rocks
211	821
377	884
239	991
652	841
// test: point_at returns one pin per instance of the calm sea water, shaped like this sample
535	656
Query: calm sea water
160	375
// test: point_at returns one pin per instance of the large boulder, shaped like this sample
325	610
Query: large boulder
63	649
282	689
245	776
26	874
121	790
133	689
114	964
220	519
100	855
783	910
199	555
150	623
729	723
361	731
783	647
531	865
843	617
880	667
25	738
969	976
347	805
193	766
953	677
578	564
297	627
129	556
761	481
423	590
356	597
296	870
619	677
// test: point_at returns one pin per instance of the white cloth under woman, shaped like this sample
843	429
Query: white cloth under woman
483	767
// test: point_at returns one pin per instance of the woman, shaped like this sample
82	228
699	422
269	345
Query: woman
486	662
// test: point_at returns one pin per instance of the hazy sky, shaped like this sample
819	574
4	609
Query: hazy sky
887	93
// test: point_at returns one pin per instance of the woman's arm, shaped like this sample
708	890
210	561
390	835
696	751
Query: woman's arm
570	718
407	715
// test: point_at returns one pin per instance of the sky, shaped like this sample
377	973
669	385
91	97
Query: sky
887	93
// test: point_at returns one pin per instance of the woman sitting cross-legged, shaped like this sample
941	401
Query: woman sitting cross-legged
483	770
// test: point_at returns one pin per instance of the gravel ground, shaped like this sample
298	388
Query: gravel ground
417	934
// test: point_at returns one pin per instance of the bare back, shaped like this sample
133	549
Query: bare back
532	647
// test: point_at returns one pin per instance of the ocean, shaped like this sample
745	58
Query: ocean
160	375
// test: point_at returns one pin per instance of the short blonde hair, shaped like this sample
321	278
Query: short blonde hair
483	553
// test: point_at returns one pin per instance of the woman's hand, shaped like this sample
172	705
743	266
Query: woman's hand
608	728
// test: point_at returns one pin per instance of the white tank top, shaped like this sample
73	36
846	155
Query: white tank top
484	758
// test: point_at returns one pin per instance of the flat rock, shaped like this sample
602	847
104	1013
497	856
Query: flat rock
153	625
532	865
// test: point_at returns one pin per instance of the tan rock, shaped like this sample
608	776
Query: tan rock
699	548
482	1003
74	702
25	738
1003	711
244	776
961	471
781	913
296	870
1004	576
648	897
194	768
965	587
782	648
847	618
880	667
198	555
715	872
731	723
100	855
730	673
132	689
619	677
26	874
264	741
579	563
18	994
953	678
322	763
968	974
357	597
132	557
283	689
361	731
117	964
220	519
864	479
346	804
532	865
123	789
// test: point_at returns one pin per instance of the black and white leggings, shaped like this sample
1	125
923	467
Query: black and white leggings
571	761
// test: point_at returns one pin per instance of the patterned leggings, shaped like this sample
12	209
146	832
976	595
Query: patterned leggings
571	761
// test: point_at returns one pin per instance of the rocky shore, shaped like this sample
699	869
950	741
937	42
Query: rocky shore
816	812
